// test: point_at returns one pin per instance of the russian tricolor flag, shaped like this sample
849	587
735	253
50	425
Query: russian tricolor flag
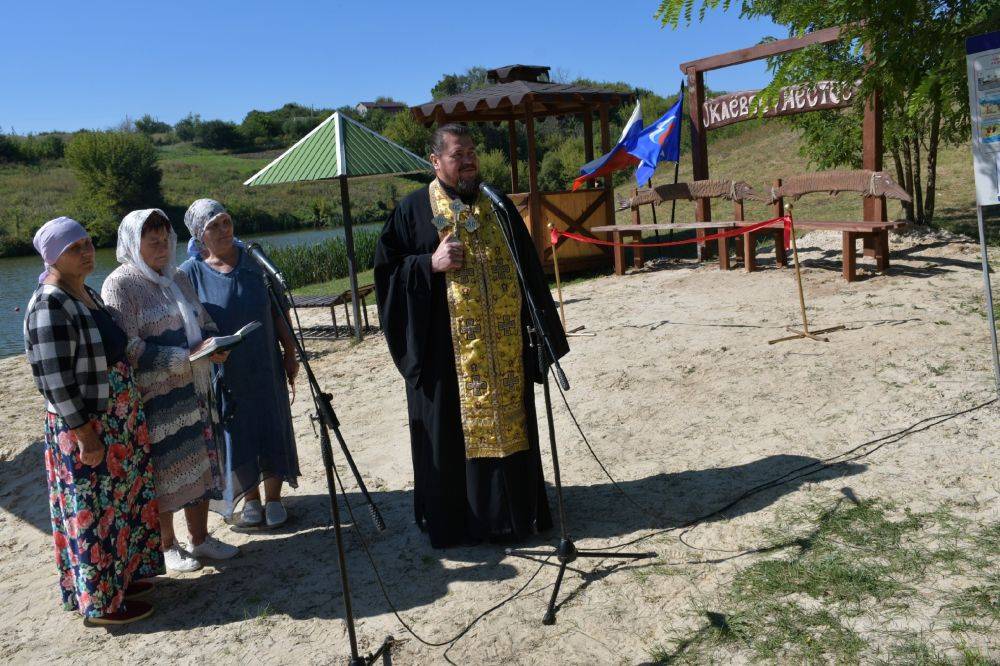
620	156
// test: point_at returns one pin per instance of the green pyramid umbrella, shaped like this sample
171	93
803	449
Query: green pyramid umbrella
341	148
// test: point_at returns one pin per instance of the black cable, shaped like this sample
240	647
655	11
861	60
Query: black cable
806	470
395	611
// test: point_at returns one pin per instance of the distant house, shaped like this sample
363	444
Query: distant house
389	107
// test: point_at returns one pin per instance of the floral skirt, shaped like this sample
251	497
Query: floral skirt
105	520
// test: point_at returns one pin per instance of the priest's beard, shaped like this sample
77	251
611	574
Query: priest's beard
468	188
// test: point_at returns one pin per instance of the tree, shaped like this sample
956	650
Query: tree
150	125
118	172
186	128
261	127
912	51
407	132
474	78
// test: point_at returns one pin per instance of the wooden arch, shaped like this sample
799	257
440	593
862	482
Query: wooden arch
872	148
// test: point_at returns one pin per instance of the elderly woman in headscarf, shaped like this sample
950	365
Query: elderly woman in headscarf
101	493
232	288
165	324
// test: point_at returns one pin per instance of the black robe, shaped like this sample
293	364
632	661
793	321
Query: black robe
456	500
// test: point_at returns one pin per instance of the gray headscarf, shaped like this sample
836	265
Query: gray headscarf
199	214
129	239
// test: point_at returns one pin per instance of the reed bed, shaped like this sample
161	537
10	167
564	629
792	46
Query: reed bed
323	261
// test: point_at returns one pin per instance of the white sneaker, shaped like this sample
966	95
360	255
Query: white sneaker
276	514
179	560
213	549
253	513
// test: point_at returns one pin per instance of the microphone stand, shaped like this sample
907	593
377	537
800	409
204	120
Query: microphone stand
566	552
328	420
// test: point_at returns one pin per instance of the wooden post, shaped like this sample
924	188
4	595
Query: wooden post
534	196
805	332
871	151
798	276
609	188
588	141
555	264
512	138
699	149
780	253
345	205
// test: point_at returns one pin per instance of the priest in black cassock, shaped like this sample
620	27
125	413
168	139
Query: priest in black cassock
456	323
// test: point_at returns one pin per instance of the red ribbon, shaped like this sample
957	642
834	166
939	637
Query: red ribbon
785	220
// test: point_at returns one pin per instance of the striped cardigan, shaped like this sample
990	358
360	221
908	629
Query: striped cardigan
64	348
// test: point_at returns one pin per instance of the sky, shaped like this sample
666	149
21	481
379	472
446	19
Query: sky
67	66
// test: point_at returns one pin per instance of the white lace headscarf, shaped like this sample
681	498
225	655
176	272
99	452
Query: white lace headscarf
129	238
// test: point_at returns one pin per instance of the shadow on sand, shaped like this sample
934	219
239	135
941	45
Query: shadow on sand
293	571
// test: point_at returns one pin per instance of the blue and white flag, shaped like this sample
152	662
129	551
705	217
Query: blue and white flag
660	142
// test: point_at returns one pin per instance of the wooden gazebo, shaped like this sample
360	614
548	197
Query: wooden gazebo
519	92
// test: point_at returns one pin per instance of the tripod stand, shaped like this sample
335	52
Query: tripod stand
566	552
328	421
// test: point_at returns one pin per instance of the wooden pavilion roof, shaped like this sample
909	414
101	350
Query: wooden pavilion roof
507	101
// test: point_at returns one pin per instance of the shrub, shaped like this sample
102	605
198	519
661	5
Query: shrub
495	169
30	149
296	128
260	128
14	246
187	127
561	166
9	151
149	125
407	132
219	135
117	171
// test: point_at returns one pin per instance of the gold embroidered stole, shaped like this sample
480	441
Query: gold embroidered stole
484	302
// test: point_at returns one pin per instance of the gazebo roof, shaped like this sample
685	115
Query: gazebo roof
509	73
506	101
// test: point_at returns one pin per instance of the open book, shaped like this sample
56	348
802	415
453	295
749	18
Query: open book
224	342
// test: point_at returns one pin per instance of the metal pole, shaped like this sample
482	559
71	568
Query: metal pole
989	295
352	272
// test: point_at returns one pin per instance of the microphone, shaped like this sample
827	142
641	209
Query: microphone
258	254
492	194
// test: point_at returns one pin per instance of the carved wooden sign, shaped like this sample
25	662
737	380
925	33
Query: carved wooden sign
737	107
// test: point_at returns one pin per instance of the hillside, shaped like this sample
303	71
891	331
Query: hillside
764	153
30	195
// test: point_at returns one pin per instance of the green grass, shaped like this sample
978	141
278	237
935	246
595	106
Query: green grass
336	286
856	567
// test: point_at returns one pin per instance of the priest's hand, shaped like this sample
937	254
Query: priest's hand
449	256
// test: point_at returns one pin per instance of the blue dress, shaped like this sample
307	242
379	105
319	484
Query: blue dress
261	440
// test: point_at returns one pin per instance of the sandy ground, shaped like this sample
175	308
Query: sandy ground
680	395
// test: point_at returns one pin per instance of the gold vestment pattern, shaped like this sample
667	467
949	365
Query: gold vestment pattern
484	301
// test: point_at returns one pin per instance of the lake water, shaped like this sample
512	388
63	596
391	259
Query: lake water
19	275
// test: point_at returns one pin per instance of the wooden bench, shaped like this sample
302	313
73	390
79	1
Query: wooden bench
873	234
345	299
735	191
620	233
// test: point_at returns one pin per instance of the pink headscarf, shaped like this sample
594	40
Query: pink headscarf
52	239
